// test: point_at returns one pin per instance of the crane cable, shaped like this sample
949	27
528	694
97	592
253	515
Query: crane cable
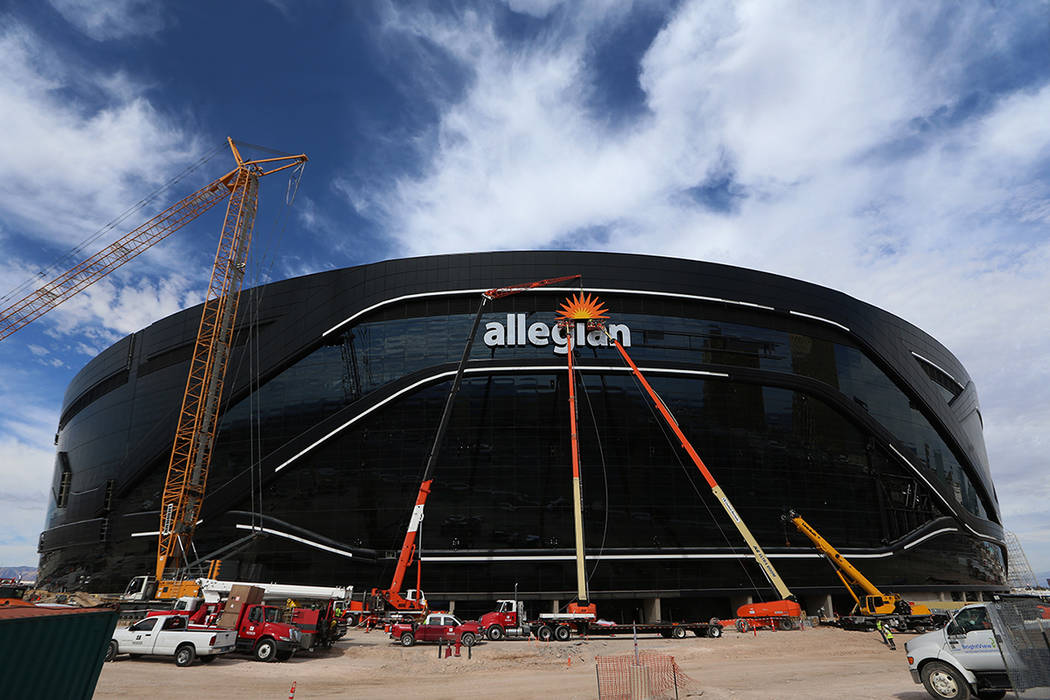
251	314
62	262
690	478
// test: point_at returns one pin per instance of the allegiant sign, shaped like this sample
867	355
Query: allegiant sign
518	332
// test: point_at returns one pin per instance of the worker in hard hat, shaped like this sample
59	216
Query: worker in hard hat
887	635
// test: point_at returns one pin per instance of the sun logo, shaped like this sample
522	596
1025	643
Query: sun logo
582	307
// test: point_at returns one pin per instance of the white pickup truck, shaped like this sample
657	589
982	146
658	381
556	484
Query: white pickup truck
985	651
171	635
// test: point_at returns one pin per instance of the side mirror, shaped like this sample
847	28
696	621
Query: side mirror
954	630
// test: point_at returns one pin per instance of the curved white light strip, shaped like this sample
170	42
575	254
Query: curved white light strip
932	534
483	370
602	290
946	372
570	557
946	503
819	318
296	538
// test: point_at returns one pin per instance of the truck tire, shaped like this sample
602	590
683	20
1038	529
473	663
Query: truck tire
407	639
496	633
111	650
786	623
944	682
562	633
185	655
544	634
469	639
742	625
266	650
678	632
714	631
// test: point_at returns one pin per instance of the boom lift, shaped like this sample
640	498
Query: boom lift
788	606
391	598
874	605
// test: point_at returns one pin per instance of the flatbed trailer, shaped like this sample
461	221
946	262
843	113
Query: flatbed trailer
667	630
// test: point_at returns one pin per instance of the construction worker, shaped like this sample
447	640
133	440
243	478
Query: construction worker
887	635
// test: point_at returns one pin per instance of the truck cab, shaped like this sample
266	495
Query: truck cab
261	633
963	659
507	620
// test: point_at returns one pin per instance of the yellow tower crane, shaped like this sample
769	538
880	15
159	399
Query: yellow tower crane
195	435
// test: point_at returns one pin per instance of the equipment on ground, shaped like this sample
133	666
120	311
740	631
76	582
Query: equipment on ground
787	607
171	635
987	650
874	605
390	598
510	620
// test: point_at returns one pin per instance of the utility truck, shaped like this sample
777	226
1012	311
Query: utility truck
171	635
310	609
986	650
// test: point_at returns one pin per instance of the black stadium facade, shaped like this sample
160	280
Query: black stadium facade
795	396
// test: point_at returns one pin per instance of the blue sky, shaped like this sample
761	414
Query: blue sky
898	152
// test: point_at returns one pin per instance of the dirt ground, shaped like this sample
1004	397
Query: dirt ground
812	663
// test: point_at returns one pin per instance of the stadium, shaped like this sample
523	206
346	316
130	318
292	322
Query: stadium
796	396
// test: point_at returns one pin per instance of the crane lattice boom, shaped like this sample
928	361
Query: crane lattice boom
195	435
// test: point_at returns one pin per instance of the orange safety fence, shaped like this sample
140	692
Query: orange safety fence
647	675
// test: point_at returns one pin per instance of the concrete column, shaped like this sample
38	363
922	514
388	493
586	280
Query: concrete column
813	603
555	606
651	610
452	607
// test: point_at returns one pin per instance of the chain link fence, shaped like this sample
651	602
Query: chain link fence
1023	625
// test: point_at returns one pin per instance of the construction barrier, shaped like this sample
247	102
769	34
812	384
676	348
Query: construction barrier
643	676
1023	625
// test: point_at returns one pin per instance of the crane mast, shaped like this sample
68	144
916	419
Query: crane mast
187	475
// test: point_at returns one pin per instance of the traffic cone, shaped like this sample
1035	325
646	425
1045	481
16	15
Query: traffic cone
291	693
568	662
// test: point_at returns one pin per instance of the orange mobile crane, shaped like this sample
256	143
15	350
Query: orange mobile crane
391	599
191	452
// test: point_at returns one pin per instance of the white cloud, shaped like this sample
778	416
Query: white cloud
112	19
78	145
844	129
26	459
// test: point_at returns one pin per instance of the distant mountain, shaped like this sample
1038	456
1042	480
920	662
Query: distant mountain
28	573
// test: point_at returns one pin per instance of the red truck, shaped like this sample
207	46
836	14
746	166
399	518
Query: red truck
259	628
509	620
436	627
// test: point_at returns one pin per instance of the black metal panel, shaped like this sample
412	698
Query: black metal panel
125	433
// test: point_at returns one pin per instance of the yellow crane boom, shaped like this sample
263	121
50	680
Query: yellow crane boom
875	602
